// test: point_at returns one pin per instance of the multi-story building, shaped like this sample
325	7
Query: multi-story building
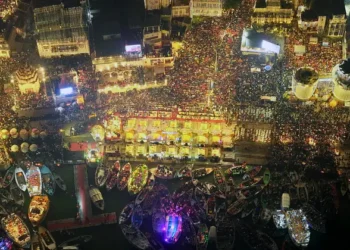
61	31
4	47
180	8
206	8
156	4
272	12
152	34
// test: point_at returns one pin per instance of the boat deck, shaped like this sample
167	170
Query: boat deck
81	192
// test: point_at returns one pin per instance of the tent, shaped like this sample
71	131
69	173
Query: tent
23	134
14	148
35	133
5	134
43	134
33	148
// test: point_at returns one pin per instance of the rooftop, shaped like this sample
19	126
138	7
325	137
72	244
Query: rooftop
181	2
152	19
45	3
327	7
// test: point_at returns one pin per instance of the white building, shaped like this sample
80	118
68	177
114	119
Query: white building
304	83
206	8
4	48
341	80
28	80
61	31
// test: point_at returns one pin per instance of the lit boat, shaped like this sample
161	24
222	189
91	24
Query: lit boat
135	237
163	172
314	218
236	207
201	187
211	207
267	176
46	238
113	177
234	170
225	234
60	182
219	180
173	228
9	176
138	179
34	181
250	182
298	228
137	217
48	180
16	229
76	241
36	243
5	243
279	219
185	172
21	179
123	176
141	196
96	197
126	213
101	175
38	208
201	172
202	236
252	173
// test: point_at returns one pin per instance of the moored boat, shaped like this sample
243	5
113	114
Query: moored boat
34	181
248	209
250	182
46	238
9	176
16	229
279	219
5	195
236	207
60	182
3	210
252	173
96	197
201	172
314	218
21	179
220	212
185	172
202	236
138	179
17	194
163	172
36	243
172	229
137	216
298	228
48	180
123	176
126	213
211	207
113	177
135	237
201	187
234	170
38	208
267	176
219	180
101	175
226	234
141	196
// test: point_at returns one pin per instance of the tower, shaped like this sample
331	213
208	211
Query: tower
304	83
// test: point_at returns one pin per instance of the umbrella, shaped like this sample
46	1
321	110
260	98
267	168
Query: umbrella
4	134
35	133
24	145
33	147
23	134
14	133
43	134
24	150
14	148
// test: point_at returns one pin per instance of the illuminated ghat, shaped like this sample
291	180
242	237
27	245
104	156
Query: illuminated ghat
304	83
341	80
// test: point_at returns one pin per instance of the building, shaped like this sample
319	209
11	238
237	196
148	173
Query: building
304	83
206	8
341	80
180	8
156	4
27	80
272	12
4	47
61	31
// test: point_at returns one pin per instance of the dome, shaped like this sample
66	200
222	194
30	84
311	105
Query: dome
14	148
33	148
305	82
341	80
27	74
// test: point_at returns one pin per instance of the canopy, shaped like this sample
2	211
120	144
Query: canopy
43	134
23	134
13	131
33	148
35	133
4	134
14	148
24	150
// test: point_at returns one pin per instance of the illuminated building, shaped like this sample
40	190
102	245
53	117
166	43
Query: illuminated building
27	79
156	4
180	8
304	83
61	31
272	11
341	80
206	8
4	47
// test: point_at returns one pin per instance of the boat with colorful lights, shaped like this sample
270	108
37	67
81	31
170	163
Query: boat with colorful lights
252	173
201	187
250	182
234	170
96	197
163	172
126	213
36	243
219	180
38	208
137	216
201	172
172	228
298	228
225	234
185	172
46	238
135	237
123	176
48	180
279	219
101	175
211	207
236	207
138	179
9	176
202	236
60	182
16	229
34	181
16	194
113	177
20	179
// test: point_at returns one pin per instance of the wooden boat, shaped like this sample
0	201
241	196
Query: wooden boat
298	228
60	182
200	198
123	176
150	182
21	179
173	228
201	172
137	216
17	194
249	192
16	229
214	190
185	172
211	207
202	236
250	182
267	176
135	237
302	192
248	209
113	177
314	218
3	211
189	231
34	181
252	173
76	241
5	195
219	180
266	242
220	212
38	208
9	176
279	219
96	197
201	187
236	207
163	172
48	180
226	234
101	175
46	238
36	243
234	170
126	213
141	196
138	179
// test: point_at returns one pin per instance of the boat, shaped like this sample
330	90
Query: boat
172	229
101	175
201	187
38	208
5	195
123	176
221	212
126	213
344	187
298	228
5	242
186	188
248	209
96	197
285	203
163	172
185	172
302	192
236	207
214	190
314	218
16	229
36	243
189	232
135	237
46	238
113	177
201	172
200	198
219	180
137	216
202	236
279	219
158	221
76	241
17	194
252	173
60	182
9	176
250	192
3	211
34	181
226	234
48	180
234	170
20	179
150	182
267	176
141	196
250	182
266	242
138	179
211	207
